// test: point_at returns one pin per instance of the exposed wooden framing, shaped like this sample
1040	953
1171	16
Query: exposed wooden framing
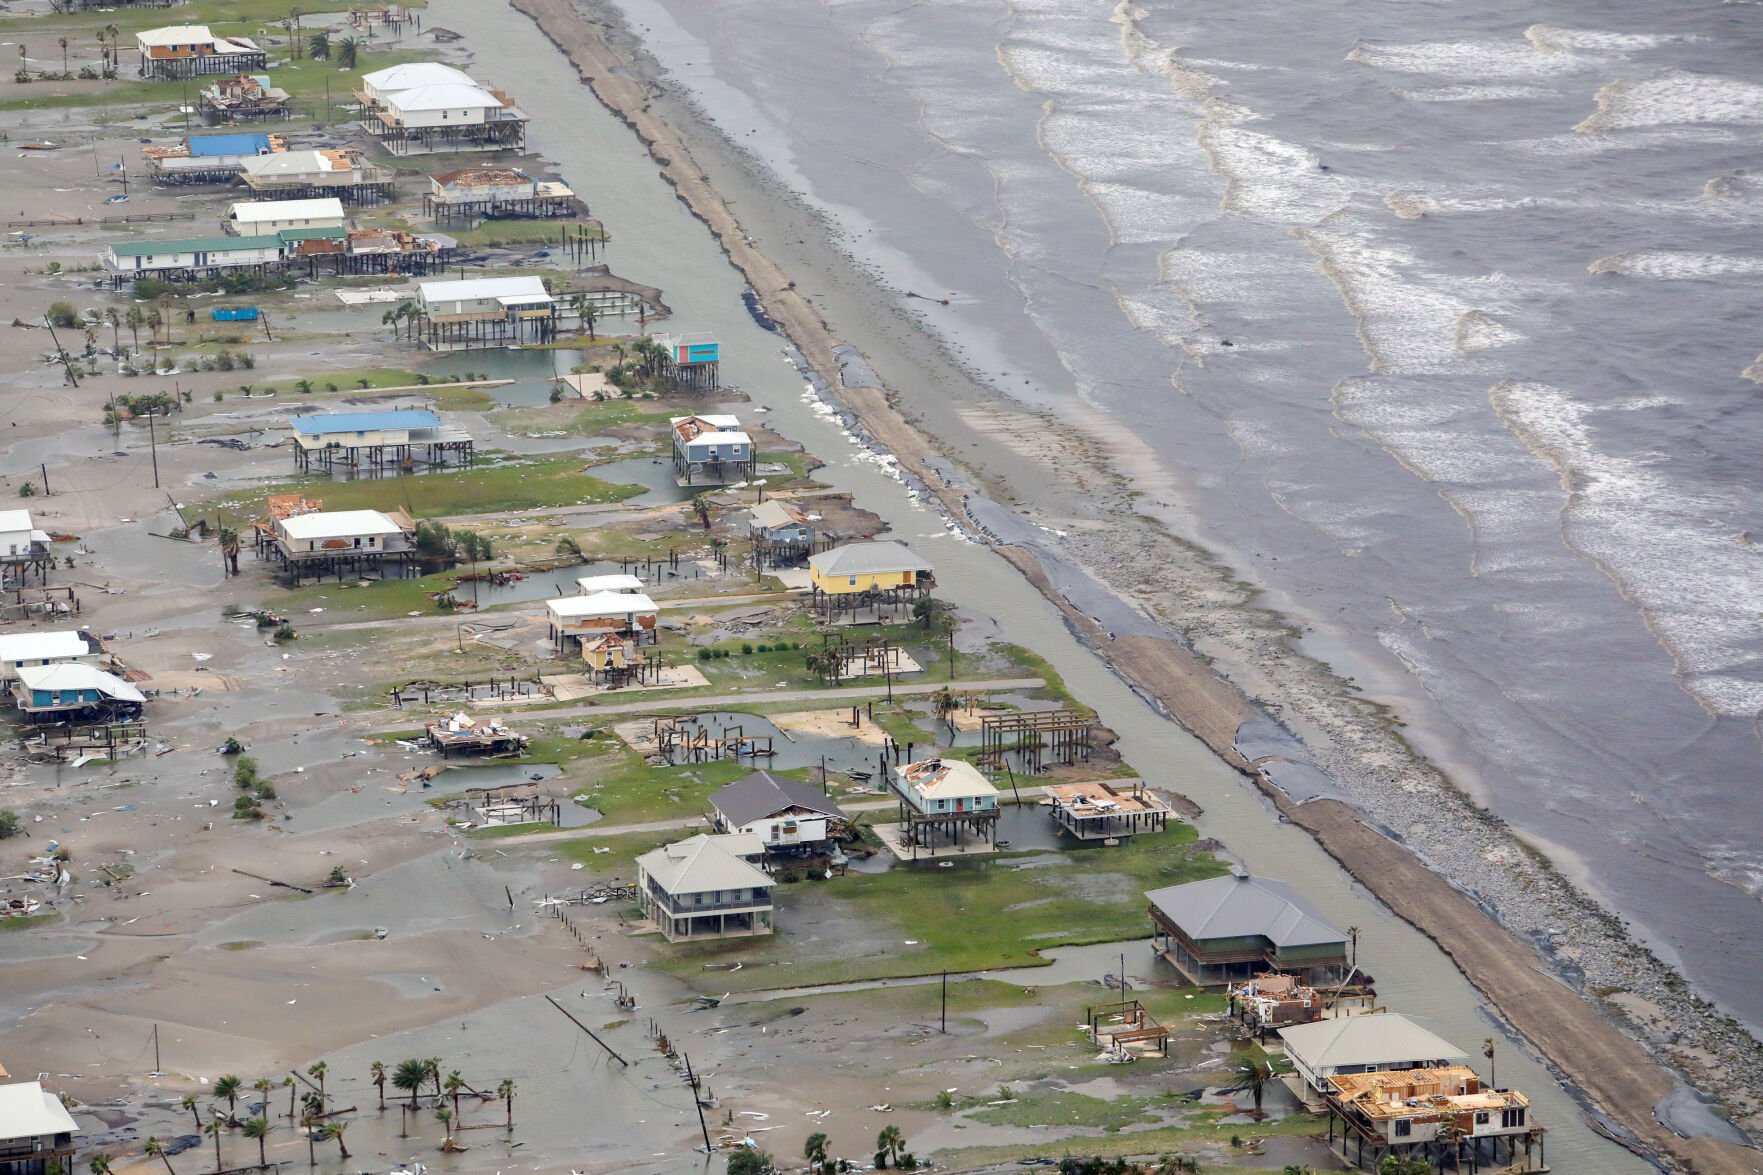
1033	737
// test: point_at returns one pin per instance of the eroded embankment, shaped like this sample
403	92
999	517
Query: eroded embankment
1611	1068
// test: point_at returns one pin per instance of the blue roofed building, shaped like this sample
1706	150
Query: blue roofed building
397	439
210	146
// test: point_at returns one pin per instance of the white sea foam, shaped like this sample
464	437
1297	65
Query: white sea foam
1675	98
1489	60
1672	265
1476	93
1556	40
1270	179
1407	316
1698	582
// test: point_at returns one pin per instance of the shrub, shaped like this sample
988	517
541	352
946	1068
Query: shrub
285	633
219	395
746	648
762	648
232	746
705	654
223	359
245	772
9	823
27	489
62	314
264	790
247	360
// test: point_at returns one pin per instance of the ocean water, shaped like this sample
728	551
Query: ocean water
1452	307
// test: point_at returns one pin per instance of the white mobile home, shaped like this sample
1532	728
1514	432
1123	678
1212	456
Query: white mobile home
256	218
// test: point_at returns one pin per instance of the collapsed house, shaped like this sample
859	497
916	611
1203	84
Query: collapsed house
73	692
1271	1000
244	98
465	735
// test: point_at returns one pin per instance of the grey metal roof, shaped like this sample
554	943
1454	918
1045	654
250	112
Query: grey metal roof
700	864
868	558
763	794
1382	1039
1240	906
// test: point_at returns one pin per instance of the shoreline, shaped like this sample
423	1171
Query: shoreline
1607	1065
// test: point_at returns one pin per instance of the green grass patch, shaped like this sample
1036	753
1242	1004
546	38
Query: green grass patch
1065	1108
518	231
525	484
28	921
1035	664
629	791
304	80
982	914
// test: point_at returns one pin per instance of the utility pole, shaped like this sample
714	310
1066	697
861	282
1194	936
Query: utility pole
945	1024
692	1081
66	361
153	440
44	470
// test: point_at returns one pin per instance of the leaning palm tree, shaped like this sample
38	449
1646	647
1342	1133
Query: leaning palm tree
335	1130
214	1130
100	1164
309	1124
377	1072
317	1069
347	50
228	1087
259	1129
814	1150
890	1142
263	1084
445	1117
318	46
505	1091
455	1083
190	1102
154	1149
434	1067
409	1076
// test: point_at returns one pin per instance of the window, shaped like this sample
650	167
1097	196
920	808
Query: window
1404	1128
1481	1117
1512	1118
853	581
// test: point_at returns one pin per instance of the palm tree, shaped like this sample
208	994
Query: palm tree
113	34
445	1117
944	703
814	1150
949	624
259	1129
1353	937
701	507
888	1144
153	321
335	1130
318	1068
62	41
190	1103
263	1084
1451	1135
409	1076
288	1084
115	321
347	51
100	1164
377	1071
318	46
1402	1165
309	1124
1254	1076
228	1087
455	1083
924	610
134	318
434	1063
1487	1050
505	1091
155	1149
214	1130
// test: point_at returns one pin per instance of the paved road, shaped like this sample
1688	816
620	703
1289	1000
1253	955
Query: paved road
845	693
